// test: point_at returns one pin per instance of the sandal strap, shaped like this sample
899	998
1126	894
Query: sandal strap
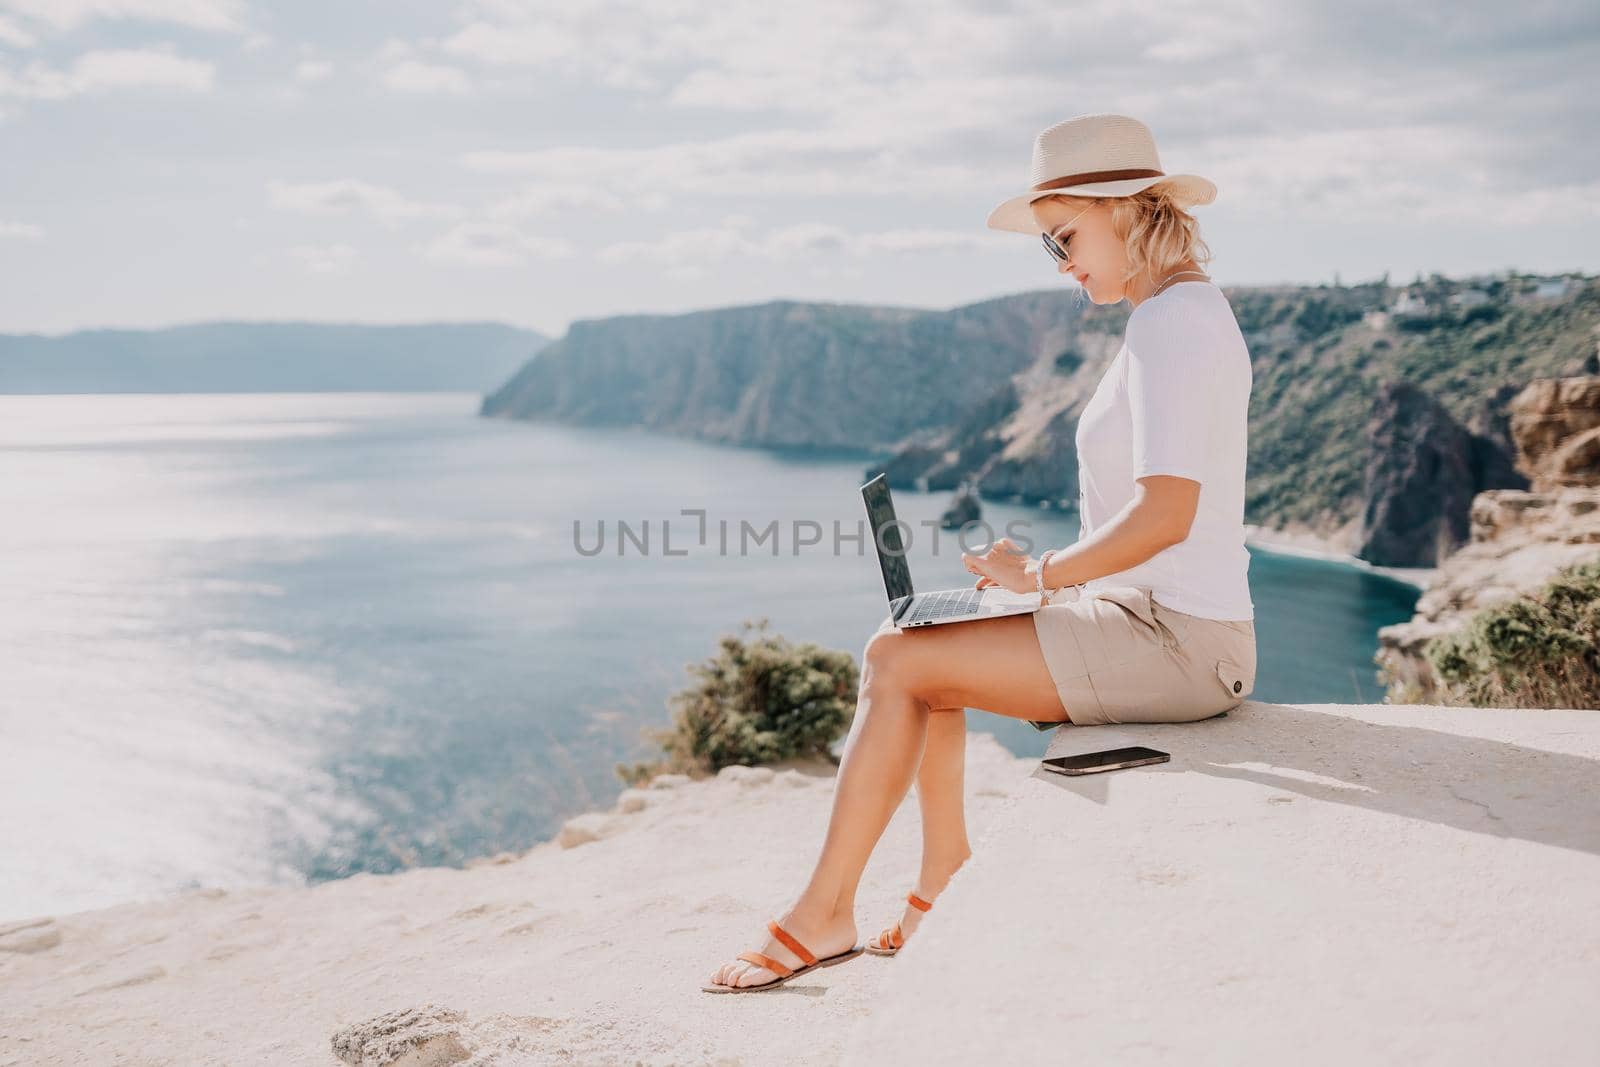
899	937
794	946
775	966
917	902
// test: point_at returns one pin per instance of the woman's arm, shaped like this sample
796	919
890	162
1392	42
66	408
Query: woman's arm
1158	517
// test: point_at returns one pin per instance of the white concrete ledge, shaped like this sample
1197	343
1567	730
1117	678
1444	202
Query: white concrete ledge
1299	884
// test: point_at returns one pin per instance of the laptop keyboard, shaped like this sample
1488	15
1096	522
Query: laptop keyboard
943	604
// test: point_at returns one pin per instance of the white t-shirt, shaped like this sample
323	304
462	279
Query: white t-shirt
1175	401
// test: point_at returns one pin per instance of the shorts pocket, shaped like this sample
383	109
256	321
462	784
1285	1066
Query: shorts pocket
1136	600
1234	679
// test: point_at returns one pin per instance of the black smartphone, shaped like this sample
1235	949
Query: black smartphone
1109	760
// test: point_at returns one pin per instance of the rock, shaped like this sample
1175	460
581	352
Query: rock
29	935
1014	445
428	1036
631	800
669	781
1517	539
497	860
1018	444
974	441
906	468
962	510
1040	460
793	779
1495	449
738	772
1556	424
581	829
1423	469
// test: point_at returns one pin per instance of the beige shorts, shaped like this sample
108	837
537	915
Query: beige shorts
1119	655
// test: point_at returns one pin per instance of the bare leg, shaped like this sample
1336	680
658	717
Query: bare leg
941	793
993	664
942	796
882	758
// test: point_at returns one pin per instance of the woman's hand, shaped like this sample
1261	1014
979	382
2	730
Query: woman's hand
1002	564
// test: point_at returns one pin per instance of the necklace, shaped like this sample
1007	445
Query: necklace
1169	278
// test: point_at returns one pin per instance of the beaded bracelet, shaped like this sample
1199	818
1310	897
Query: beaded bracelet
1038	578
1038	575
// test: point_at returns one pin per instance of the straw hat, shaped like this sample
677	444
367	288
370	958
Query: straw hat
1095	155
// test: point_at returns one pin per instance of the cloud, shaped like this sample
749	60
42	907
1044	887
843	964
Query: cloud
684	254
1420	173
553	44
13	34
325	259
345	196
312	70
20	231
414	76
395	48
109	69
547	198
493	244
919	241
219	15
850	137
770	162
1468	101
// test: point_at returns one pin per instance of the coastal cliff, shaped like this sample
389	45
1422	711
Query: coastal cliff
788	374
1377	414
1518	539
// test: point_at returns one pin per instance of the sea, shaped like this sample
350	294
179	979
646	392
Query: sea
277	639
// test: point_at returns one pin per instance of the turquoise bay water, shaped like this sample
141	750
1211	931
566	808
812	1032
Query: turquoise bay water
266	639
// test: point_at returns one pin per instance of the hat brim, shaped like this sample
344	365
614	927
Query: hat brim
1016	215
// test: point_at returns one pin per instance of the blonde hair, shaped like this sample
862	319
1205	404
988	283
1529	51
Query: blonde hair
1156	228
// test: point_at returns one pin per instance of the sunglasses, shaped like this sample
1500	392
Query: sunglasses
1062	252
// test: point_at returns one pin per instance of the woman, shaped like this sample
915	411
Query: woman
1160	624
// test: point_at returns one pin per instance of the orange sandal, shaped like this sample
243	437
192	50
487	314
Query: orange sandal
893	938
777	967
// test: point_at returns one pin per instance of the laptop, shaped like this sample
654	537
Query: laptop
910	608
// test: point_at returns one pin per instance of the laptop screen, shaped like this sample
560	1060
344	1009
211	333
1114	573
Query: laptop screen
891	558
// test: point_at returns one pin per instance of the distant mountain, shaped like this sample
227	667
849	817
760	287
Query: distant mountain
1376	414
252	357
787	373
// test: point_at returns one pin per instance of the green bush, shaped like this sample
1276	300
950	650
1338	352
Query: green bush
1541	650
754	702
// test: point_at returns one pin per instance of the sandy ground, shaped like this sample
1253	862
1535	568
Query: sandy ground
590	954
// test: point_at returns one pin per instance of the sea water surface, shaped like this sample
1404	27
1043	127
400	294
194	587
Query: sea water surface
272	639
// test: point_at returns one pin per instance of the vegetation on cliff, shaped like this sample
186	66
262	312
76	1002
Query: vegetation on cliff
1540	650
757	700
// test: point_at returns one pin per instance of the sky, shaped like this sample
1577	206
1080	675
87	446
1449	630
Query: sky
536	163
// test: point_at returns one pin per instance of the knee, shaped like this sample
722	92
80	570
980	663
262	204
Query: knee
884	657
890	661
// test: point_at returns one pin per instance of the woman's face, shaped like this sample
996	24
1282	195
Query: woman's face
1096	256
